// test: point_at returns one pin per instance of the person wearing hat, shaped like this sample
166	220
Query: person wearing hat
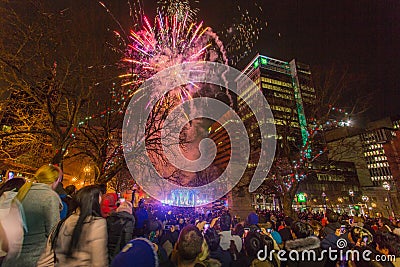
120	227
139	252
41	206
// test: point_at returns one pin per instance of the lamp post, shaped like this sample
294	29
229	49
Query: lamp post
324	198
387	187
351	194
87	171
365	199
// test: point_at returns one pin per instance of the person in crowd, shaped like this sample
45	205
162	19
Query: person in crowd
181	223
120	227
285	232
226	234
238	230
317	227
11	187
388	244
359	236
213	239
138	252
385	225
331	241
142	218
70	190
108	204
154	233
332	223
80	239
275	235
303	239
255	242
8	191
63	195
191	249
358	221
168	238
69	199
41	206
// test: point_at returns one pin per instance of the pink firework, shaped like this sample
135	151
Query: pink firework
172	40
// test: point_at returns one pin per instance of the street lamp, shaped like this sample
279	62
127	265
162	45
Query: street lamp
87	171
324	198
351	194
386	186
365	199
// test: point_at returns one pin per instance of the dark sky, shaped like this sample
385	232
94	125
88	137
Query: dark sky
363	35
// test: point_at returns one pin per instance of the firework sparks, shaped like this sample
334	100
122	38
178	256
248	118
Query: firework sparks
242	35
171	40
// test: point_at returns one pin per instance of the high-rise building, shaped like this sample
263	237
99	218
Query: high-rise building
289	90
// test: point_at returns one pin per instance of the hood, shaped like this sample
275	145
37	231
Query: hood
252	218
308	243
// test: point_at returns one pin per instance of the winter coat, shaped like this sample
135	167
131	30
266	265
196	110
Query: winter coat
92	246
330	241
5	205
41	206
120	226
277	237
223	256
301	245
64	210
330	228
285	234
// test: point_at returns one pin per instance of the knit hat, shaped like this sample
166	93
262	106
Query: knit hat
138	252
125	206
252	218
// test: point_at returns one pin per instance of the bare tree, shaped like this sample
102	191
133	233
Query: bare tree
48	69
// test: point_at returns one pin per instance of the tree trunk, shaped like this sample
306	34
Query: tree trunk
287	205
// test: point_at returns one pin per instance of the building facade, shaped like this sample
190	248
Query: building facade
288	88
375	152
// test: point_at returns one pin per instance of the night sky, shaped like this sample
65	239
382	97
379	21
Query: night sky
363	35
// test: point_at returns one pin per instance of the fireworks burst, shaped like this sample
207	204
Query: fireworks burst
242	35
168	42
174	37
180	8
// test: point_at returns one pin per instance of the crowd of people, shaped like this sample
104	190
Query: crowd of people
44	224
